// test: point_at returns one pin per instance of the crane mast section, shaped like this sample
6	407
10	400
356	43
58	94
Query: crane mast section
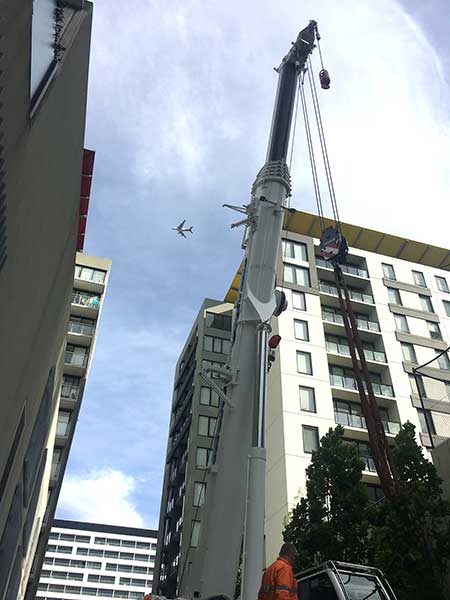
214	567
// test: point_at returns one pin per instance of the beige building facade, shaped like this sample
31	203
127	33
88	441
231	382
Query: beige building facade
43	110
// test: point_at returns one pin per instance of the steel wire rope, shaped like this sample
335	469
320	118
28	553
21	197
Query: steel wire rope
311	153
323	144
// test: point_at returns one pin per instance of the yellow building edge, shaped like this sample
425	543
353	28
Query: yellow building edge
364	239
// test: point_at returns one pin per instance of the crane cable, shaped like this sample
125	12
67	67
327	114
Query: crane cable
326	160
311	150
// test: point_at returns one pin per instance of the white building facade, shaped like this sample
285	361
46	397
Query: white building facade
403	312
89	559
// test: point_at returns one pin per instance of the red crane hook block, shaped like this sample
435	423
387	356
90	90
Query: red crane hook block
324	78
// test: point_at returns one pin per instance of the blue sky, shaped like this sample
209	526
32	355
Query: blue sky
179	109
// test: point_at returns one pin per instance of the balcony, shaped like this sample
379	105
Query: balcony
75	359
369	464
70	392
85	299
349	383
358	421
355	295
343	349
362	323
349	269
81	328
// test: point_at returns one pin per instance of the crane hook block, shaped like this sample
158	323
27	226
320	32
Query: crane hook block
333	245
324	78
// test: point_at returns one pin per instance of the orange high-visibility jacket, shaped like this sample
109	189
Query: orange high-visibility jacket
278	582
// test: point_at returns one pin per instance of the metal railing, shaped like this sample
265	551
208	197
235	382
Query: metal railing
381	389
75	359
70	391
349	420
354	294
362	323
350	269
344	349
81	328
85	300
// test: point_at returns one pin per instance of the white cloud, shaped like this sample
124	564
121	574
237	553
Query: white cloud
100	496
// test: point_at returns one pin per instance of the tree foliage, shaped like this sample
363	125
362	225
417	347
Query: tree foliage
408	538
330	522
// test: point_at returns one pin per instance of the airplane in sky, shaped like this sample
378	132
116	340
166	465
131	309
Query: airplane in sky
181	229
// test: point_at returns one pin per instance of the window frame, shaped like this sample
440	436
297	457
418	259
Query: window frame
295	279
411	352
444	288
312	396
404	319
308	362
292	245
198	497
427	301
396	293
387	267
420	281
314	430
305	325
302	296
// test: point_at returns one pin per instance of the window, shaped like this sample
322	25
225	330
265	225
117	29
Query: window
434	330
425	418
297	275
446	304
216	344
218	321
195	534
199	493
56	463
417	385
401	323
89	274
62	428
425	303
101	578
442	284
307	398
304	364
394	296
409	353
443	360
388	271
208	397
202	457
76	355
206	426
349	414
419	279
295	250
301	330
299	300
310	439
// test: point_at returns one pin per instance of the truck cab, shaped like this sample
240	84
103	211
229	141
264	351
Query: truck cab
333	580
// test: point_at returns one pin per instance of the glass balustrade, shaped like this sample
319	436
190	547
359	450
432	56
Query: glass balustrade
354	294
350	269
75	359
361	322
381	389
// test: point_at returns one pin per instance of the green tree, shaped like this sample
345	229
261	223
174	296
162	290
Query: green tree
331	522
410	536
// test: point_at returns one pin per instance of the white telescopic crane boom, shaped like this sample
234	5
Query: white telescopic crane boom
235	492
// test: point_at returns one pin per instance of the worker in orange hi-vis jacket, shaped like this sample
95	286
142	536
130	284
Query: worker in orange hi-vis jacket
278	582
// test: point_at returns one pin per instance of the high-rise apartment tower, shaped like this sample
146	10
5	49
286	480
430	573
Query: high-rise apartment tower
400	291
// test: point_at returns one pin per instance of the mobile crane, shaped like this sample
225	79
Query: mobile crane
233	523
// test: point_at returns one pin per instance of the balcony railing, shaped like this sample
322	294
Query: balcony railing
69	391
361	322
369	463
85	300
343	348
354	294
350	269
348	420
75	359
81	328
381	389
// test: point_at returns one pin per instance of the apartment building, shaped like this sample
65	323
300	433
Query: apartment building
193	423
89	288
401	297
43	85
91	559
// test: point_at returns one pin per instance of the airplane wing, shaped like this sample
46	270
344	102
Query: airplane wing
181	225
181	233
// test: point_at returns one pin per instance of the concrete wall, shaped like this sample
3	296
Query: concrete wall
43	155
